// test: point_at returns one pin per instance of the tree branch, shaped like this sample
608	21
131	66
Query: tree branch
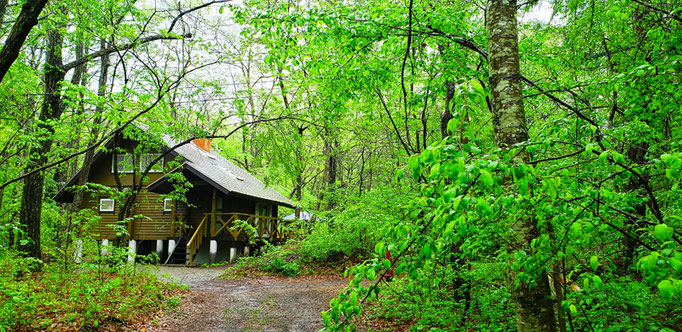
113	49
28	18
175	20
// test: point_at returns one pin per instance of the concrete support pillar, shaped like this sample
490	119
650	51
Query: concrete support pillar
132	250
159	249
105	247
78	251
233	254
247	250
171	246
212	251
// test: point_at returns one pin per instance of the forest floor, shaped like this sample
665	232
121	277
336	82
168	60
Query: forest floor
264	303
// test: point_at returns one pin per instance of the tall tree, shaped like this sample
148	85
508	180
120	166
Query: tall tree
534	309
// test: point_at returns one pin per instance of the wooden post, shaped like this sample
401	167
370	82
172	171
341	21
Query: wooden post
213	211
173	221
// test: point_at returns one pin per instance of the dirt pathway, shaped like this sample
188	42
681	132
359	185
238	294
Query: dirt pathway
248	304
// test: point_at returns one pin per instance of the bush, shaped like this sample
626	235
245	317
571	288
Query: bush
74	299
345	234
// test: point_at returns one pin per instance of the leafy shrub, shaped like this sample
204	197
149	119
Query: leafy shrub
280	266
345	234
432	302
74	299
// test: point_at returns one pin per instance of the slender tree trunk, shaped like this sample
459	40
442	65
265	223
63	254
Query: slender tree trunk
534	308
62	175
450	88
94	134
32	195
329	172
636	153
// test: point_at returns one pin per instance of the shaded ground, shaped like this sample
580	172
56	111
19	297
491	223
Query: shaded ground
248	304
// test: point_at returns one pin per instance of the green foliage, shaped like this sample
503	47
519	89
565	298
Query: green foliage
85	298
433	302
466	203
273	260
348	236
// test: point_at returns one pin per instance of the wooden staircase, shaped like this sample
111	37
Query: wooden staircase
179	255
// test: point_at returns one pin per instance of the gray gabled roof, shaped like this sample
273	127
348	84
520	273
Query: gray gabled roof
222	173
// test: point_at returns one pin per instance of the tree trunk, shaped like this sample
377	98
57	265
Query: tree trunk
28	17
636	153
534	308
89	156
32	195
62	174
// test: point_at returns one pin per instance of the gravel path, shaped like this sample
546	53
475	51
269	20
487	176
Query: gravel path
248	304
186	276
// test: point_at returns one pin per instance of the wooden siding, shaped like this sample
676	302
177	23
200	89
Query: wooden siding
155	225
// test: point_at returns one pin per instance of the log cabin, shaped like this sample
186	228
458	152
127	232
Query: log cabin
225	210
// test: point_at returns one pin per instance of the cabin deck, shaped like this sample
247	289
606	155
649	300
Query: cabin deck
235	224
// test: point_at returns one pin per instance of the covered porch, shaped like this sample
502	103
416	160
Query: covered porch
218	224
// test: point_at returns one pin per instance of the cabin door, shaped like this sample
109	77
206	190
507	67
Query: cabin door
264	210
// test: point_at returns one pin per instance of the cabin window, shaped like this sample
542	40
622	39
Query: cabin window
124	163
106	205
167	205
147	159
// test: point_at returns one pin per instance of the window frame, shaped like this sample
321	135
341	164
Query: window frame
170	204
120	163
157	168
104	199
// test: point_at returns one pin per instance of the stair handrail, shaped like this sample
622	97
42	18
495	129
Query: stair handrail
197	238
171	252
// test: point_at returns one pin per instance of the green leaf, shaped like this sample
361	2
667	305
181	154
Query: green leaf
574	310
449	195
594	262
667	289
676	264
452	126
379	248
663	232
413	162
414	273
486	178
597	281
484	207
603	155
387	263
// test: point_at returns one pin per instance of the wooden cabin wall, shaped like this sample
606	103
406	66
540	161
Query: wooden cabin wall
156	225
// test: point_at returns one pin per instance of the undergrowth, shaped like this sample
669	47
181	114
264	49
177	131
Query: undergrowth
337	240
80	298
435	302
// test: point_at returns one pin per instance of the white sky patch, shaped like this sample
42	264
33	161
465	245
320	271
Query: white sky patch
541	12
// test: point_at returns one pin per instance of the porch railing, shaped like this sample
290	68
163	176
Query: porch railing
197	238
269	227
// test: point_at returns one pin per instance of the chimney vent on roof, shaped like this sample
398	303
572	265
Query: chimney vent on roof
203	143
